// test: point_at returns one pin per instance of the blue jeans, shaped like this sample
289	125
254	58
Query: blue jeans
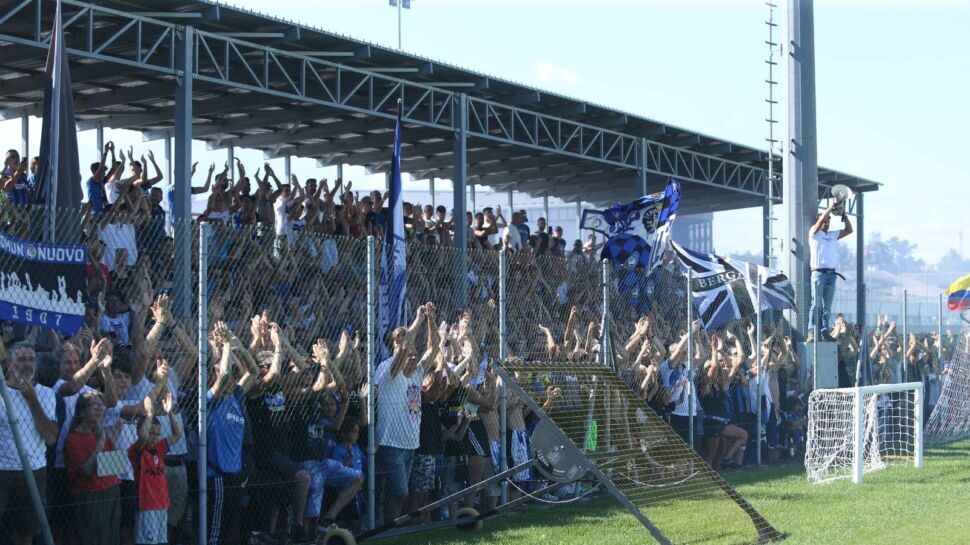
823	292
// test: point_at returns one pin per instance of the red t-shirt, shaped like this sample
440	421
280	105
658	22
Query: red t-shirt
78	446
148	466
104	269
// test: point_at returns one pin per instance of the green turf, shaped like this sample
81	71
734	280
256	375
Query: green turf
892	507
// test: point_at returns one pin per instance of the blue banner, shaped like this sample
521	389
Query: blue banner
42	284
393	283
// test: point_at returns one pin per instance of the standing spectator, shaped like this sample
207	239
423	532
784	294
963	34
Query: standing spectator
14	180
557	245
97	198
97	509
226	424
147	457
117	231
116	320
825	259
522	225
398	384
67	389
34	407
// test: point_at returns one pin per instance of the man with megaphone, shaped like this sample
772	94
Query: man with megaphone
825	259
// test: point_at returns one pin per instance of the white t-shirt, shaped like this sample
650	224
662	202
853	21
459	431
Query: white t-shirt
33	441
515	238
690	396
112	190
281	209
398	408
118	325
69	403
824	253
119	235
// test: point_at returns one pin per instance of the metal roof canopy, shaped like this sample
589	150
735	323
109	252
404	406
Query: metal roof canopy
292	90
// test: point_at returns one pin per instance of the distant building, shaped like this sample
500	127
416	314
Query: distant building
695	232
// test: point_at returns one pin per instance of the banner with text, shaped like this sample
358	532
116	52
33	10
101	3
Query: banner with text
42	284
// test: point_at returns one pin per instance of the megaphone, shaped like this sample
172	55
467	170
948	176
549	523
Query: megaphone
841	193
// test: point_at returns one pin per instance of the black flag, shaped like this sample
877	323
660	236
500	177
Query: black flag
58	178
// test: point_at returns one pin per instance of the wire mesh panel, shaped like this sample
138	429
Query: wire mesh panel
92	320
286	323
949	418
555	307
652	467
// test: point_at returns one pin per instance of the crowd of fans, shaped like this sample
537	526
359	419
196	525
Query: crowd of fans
109	415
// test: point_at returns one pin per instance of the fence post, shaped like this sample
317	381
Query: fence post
202	455
371	356
939	334
502	355
690	358
816	333
761	370
905	341
604	347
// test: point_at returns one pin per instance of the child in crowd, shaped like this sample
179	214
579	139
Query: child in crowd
147	457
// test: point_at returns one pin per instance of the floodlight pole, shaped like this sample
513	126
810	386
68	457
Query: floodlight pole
800	170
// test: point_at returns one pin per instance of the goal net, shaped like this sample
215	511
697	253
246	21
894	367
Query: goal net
950	419
852	431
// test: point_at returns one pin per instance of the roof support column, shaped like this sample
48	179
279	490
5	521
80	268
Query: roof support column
183	174
474	204
511	203
231	157
99	139
801	159
579	222
288	168
168	160
25	139
431	190
641	168
545	210
340	171
459	181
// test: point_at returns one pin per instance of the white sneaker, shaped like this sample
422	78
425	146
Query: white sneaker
548	496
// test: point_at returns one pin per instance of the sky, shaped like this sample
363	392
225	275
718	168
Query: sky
892	83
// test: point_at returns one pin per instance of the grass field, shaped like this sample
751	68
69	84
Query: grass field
894	506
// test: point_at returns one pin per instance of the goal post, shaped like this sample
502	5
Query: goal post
853	431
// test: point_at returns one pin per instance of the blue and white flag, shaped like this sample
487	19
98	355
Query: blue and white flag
725	290
668	213
43	284
58	177
393	284
634	229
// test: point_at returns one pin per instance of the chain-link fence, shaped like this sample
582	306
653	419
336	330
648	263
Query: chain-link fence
284	405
